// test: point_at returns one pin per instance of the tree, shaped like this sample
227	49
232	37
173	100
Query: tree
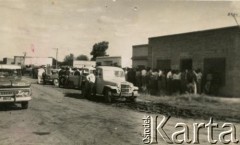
99	49
82	57
68	60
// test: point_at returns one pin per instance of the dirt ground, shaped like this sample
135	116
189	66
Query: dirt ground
58	116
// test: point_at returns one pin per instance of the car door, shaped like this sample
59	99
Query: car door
74	79
99	81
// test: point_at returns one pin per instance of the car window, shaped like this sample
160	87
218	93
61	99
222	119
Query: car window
10	73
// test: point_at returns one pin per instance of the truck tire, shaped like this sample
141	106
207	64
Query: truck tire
84	91
133	99
108	96
24	105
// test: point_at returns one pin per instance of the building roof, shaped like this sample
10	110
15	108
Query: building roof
5	66
140	58
200	31
108	57
140	45
8	58
19	56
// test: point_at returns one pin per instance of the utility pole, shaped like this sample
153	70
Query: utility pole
24	56
234	17
56	57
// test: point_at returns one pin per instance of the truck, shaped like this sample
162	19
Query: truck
12	88
111	83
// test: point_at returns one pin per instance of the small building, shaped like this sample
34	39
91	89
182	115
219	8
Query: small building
18	60
215	51
83	63
109	61
38	61
8	60
140	56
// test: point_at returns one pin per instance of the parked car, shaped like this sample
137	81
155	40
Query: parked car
111	83
12	88
51	77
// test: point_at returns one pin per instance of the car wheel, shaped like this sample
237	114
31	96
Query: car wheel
24	105
108	96
56	82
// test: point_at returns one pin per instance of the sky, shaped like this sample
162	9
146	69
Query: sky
74	26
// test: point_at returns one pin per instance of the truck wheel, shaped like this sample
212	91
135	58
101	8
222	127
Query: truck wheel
108	96
56	82
131	99
24	105
84	91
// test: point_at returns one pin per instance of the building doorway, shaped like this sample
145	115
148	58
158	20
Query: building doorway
216	67
185	64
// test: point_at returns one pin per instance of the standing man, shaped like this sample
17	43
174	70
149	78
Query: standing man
40	74
169	82
61	77
68	72
90	84
144	81
199	81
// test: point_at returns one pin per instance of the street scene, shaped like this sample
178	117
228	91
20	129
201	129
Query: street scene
114	72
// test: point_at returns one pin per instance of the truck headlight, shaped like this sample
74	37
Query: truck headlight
22	93
119	86
135	88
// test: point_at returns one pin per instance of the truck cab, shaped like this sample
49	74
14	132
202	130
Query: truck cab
78	78
12	88
111	83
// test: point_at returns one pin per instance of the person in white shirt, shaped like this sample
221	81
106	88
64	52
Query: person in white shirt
176	83
91	78
199	81
90	84
40	74
144	81
169	82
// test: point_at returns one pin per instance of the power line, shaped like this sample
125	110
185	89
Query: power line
234	17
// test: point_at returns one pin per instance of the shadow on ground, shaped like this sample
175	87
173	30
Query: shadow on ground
169	110
163	109
74	95
9	107
96	99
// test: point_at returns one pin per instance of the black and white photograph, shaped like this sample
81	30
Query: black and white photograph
119	72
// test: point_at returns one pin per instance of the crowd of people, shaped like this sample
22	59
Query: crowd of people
159	82
169	82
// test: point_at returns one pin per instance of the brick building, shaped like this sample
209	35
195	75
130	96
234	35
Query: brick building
215	51
140	55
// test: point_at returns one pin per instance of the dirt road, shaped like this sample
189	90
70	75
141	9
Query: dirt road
59	116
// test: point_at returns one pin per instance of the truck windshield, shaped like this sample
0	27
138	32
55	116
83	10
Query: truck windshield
113	74
5	73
